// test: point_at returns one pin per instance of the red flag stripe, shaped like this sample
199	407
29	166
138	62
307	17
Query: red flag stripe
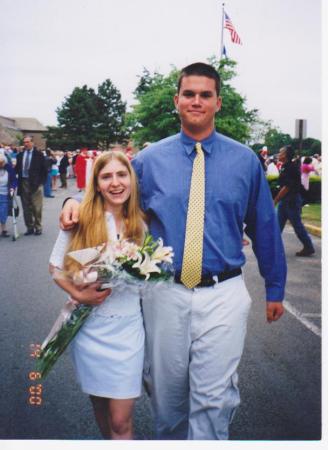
233	33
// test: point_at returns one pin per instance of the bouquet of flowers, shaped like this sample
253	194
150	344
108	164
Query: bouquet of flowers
110	264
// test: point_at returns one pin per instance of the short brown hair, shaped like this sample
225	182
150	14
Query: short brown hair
202	70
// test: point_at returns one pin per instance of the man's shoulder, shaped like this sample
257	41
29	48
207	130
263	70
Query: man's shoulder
229	143
231	147
156	149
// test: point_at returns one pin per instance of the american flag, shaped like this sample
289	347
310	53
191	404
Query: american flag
228	25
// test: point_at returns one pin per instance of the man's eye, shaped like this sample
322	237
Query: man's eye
188	94
206	94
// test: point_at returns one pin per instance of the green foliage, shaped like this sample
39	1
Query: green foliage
55	137
78	118
234	120
154	117
310	146
311	214
111	111
275	139
88	118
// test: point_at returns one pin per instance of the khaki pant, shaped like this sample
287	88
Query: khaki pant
32	206
194	342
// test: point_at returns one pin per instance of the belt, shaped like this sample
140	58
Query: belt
208	280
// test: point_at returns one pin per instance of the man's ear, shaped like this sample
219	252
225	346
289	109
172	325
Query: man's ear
218	104
176	102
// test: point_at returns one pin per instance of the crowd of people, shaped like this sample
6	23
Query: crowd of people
37	174
309	165
293	174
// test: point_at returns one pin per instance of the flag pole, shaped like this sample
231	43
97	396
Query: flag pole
222	28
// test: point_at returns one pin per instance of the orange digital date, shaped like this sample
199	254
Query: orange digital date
35	392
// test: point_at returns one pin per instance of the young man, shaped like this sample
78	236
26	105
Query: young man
198	198
32	172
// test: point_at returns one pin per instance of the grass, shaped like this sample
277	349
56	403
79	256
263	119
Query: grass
311	214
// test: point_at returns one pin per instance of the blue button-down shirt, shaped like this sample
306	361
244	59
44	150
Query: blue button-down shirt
237	196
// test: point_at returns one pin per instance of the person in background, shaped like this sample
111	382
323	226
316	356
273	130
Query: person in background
70	171
75	155
272	167
80	169
54	171
289	199
63	165
263	156
316	162
50	160
8	183
32	172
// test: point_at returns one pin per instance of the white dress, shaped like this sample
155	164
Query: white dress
108	351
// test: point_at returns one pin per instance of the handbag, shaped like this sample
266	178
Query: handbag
12	202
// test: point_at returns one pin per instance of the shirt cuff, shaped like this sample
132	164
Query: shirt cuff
275	294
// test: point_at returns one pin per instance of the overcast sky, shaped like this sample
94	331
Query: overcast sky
48	47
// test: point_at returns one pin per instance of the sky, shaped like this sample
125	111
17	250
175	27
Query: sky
48	47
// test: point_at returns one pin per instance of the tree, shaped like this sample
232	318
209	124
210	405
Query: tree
55	138
154	117
310	146
275	139
111	112
234	120
89	119
78	118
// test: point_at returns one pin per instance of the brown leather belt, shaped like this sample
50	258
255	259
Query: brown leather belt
208	280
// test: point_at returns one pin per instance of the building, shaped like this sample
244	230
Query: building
12	129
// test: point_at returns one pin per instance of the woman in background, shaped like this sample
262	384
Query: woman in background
8	184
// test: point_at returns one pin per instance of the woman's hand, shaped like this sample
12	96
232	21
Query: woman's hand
69	215
90	294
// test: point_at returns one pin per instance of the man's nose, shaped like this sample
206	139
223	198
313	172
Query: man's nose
196	99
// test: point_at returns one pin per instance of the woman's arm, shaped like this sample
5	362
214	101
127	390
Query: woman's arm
281	194
89	294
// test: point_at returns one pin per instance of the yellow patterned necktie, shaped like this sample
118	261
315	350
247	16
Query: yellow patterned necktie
193	248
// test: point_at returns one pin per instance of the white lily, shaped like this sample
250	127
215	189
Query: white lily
162	254
147	266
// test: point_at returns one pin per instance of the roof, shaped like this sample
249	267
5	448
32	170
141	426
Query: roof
8	122
29	124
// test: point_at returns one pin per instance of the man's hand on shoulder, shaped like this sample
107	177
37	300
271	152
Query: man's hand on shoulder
69	215
274	310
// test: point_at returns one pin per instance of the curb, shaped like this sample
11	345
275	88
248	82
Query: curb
316	231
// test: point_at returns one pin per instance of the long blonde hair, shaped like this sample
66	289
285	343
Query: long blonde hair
92	229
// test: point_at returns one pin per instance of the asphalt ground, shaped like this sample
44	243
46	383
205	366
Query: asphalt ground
280	371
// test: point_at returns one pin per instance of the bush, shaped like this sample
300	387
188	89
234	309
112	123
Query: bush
313	195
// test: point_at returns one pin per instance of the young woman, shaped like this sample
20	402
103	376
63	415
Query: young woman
108	351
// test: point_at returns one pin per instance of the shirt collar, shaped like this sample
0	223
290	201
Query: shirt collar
189	143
